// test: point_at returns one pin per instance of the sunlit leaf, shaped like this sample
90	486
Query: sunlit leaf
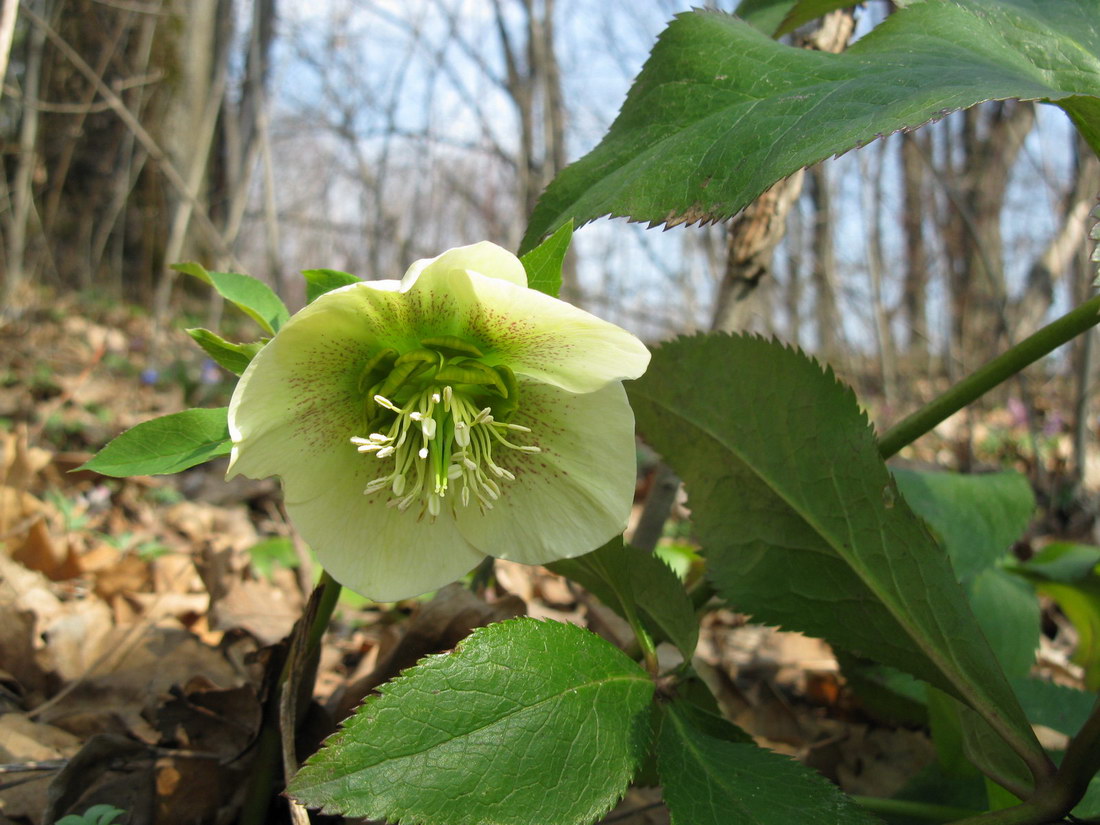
721	111
526	722
802	524
165	445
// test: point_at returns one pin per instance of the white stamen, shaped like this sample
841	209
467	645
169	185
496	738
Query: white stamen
383	452
462	434
375	486
428	426
382	401
423	452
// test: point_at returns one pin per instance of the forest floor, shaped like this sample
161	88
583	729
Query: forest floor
141	620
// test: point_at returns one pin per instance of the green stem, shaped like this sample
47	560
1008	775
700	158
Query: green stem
913	810
1053	800
645	641
268	747
1004	366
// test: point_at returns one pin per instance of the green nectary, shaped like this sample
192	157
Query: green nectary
434	415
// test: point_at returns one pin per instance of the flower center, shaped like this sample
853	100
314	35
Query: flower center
434	415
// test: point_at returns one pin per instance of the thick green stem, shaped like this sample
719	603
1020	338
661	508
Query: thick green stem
645	641
1053	800
1004	366
268	748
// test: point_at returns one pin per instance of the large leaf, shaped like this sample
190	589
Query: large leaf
1007	609
720	111
167	444
252	296
802	523
627	580
1056	706
526	722
977	517
709	781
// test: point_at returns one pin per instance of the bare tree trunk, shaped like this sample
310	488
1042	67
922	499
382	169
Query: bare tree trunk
7	30
1059	255
914	150
871	195
990	141
792	294
824	274
754	234
198	109
750	244
23	195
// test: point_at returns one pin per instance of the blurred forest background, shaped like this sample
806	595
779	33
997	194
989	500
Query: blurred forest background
270	136
278	135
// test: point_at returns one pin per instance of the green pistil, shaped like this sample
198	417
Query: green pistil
438	413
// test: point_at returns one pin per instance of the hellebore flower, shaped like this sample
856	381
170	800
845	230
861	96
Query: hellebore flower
420	425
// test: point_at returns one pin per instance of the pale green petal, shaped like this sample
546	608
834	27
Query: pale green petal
300	393
534	334
576	494
486	258
373	549
293	414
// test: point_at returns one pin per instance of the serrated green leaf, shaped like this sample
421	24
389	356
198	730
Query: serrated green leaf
1062	561
626	578
710	781
526	722
1058	707
720	112
977	517
1007	608
252	296
234	357
801	522
320	281
543	264
167	444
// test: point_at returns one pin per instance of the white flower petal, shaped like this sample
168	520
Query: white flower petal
574	495
376	550
534	334
486	258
